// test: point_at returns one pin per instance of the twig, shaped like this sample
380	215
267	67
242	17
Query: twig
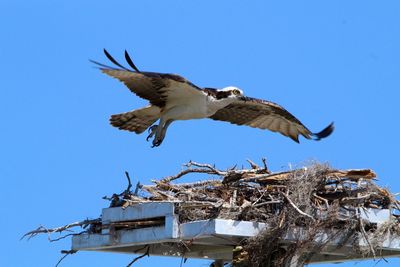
262	195
267	203
212	182
183	260
253	165
67	235
128	189
205	168
360	198
42	229
233	168
365	236
66	252
267	177
264	160
141	256
138	186
296	208
323	199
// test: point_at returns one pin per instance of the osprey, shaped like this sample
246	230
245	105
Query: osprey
172	98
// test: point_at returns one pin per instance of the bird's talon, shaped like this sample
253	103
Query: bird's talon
152	130
156	143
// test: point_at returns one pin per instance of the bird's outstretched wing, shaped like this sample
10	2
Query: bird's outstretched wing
152	86
263	114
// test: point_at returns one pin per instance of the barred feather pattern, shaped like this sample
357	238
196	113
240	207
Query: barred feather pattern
137	120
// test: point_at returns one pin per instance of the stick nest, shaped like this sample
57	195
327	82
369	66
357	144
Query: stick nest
256	194
314	199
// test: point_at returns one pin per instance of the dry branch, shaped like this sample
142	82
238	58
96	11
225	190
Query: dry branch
141	256
296	208
66	252
203	168
83	224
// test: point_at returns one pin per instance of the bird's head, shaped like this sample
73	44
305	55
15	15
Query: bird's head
232	92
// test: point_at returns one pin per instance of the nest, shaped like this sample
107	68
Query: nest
315	199
256	194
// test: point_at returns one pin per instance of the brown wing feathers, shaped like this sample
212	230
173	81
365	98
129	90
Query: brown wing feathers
147	85
144	84
262	114
137	120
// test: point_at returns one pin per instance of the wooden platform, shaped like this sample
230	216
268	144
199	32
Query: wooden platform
124	232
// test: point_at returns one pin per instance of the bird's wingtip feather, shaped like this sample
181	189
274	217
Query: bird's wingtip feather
108	55
324	133
130	62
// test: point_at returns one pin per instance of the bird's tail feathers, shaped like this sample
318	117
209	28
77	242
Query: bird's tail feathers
136	120
324	133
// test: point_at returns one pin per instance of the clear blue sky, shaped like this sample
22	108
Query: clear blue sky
322	60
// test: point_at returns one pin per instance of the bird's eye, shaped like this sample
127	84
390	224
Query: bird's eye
236	92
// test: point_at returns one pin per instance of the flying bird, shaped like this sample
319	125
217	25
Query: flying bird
172	97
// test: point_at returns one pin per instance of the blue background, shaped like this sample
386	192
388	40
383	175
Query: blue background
322	60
